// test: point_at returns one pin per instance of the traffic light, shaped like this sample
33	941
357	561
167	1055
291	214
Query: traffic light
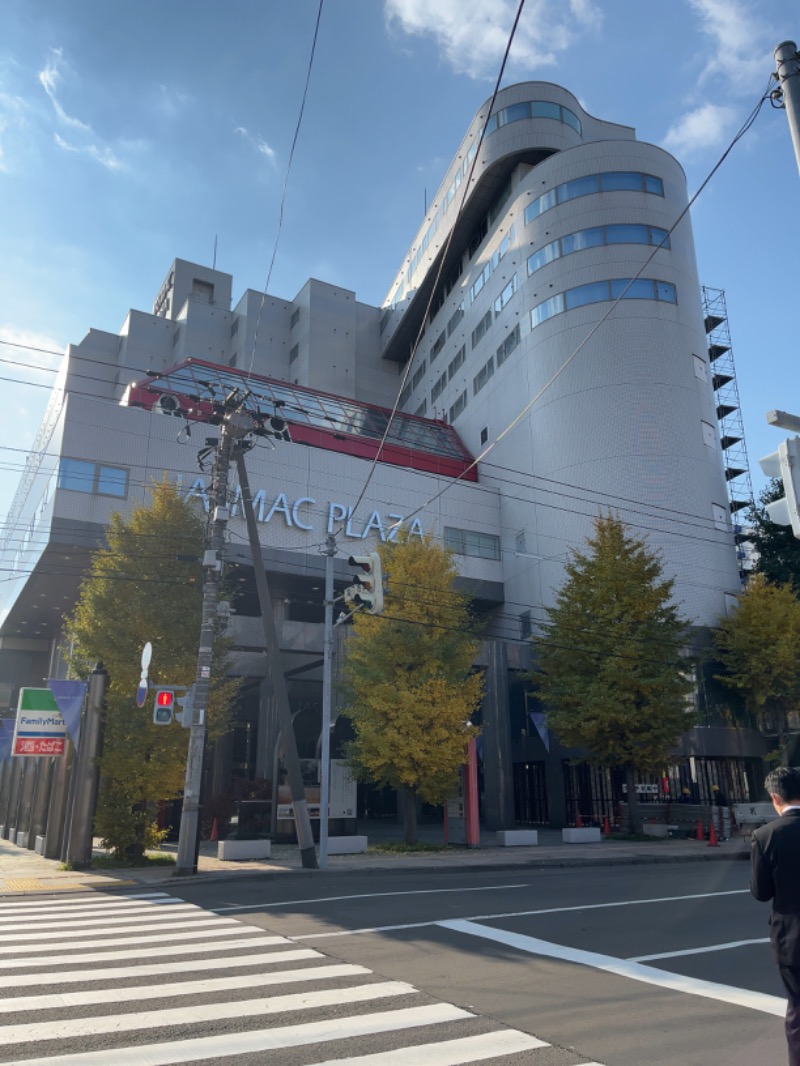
367	588
785	464
186	703
164	707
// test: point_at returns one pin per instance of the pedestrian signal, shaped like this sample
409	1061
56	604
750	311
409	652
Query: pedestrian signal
164	707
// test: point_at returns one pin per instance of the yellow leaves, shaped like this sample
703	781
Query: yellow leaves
408	674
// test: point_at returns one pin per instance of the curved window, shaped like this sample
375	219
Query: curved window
610	181
594	238
599	291
532	109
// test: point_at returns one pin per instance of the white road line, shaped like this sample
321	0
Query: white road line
182	988
86	921
449	1052
699	951
623	968
362	895
161	1019
144	953
233	1044
160	969
520	914
165	931
34	905
158	940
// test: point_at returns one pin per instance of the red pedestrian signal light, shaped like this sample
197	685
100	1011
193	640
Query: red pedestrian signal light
164	707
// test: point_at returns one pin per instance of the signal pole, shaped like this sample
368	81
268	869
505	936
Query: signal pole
189	834
787	94
329	552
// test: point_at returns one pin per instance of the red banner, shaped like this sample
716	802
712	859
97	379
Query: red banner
39	746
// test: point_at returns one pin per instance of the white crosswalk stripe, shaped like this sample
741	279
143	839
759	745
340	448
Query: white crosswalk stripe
82	987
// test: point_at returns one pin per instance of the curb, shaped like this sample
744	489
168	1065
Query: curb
98	883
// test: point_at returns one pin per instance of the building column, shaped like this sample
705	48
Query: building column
498	773
267	736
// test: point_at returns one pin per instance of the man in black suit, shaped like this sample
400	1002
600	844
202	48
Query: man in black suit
775	875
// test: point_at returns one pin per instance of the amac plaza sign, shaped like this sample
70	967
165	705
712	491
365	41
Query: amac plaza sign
309	515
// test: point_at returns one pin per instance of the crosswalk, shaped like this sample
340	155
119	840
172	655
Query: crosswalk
147	979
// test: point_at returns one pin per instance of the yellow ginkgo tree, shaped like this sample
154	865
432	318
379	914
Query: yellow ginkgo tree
409	678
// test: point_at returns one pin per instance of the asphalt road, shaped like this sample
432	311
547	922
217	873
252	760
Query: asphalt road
575	957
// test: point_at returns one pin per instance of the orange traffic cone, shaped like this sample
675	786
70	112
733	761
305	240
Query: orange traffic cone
214	831
700	831
712	836
606	827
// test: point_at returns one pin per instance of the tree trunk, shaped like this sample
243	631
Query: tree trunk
410	815
634	814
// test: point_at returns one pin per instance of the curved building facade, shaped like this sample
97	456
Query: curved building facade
563	298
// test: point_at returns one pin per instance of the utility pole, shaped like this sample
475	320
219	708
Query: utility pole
302	820
787	95
232	425
329	551
86	773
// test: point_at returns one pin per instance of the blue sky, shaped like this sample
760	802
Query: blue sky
136	131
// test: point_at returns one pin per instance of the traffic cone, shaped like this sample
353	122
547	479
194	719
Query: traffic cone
606	827
700	831
712	836
214	831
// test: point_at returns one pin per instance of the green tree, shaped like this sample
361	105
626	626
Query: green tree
759	646
408	676
777	548
144	586
611	666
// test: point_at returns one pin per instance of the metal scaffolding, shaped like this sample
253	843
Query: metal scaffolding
731	425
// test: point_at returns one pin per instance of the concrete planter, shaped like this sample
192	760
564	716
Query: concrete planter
585	835
233	850
354	845
515	838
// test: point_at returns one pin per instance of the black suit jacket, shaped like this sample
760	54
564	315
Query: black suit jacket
775	875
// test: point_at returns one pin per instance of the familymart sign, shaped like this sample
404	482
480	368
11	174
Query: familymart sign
40	728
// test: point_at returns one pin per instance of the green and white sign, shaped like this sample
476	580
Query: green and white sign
40	728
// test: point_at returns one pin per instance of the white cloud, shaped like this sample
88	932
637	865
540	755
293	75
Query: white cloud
740	52
707	126
40	363
172	102
258	143
473	34
105	155
49	78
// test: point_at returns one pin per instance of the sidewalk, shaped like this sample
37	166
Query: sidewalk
24	872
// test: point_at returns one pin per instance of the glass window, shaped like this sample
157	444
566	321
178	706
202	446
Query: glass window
585	238
481	328
458	406
659	236
505	295
540	205
483	375
653	185
508	346
553	306
515	112
438	344
666	292
618	180
641	289
542	257
112	481
77	475
438	387
544	109
628	234
592	293
491	125
579	187
419	374
456	362
470	542
571	119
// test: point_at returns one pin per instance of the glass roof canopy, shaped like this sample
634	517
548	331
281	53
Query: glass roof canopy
205	384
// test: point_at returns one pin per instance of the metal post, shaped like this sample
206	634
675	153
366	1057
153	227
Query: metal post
327	673
189	833
789	80
56	815
305	837
86	773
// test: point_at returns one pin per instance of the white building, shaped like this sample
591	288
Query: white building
551	311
